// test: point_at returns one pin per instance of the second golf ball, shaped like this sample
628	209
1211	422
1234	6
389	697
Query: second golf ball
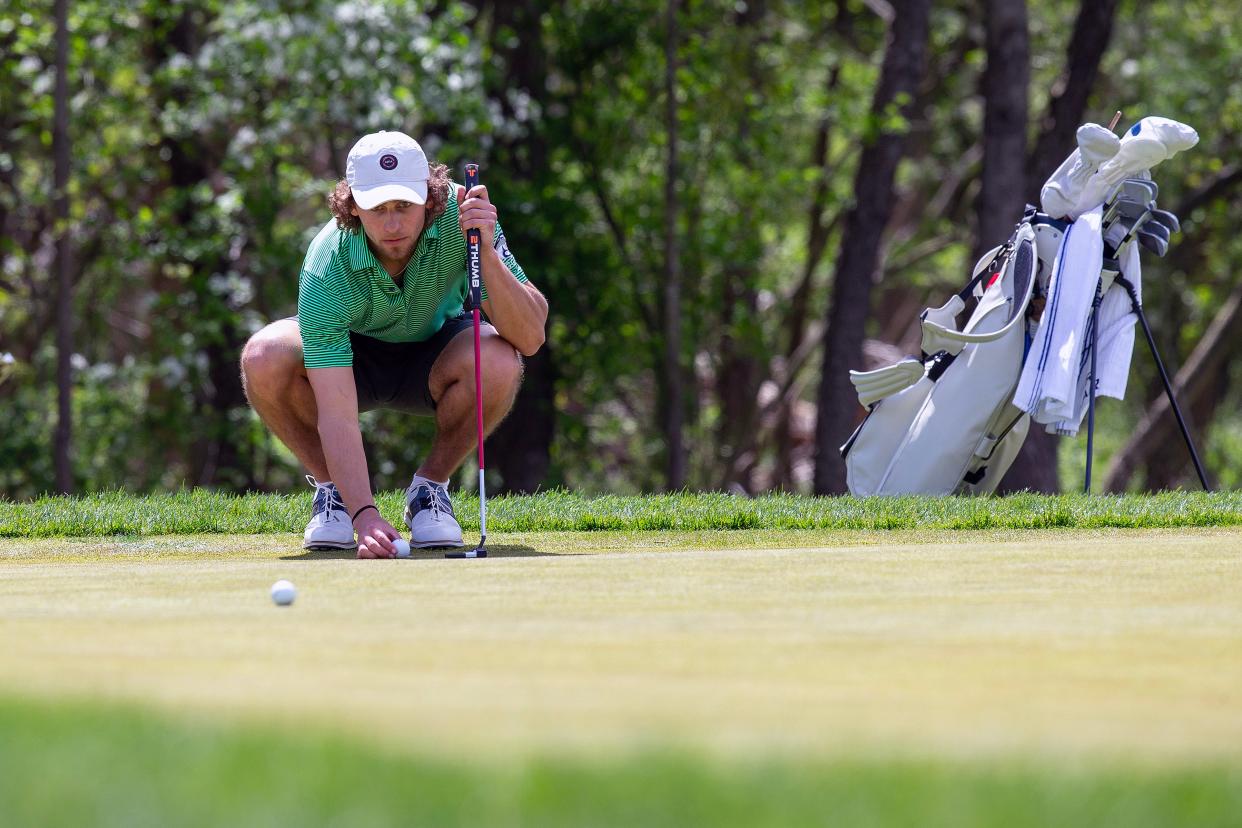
283	593
402	546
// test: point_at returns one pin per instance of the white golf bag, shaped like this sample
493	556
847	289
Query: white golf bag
944	423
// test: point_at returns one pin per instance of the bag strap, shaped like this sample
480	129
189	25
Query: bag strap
939	337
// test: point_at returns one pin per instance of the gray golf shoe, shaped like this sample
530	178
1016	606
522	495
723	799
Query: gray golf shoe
330	526
429	515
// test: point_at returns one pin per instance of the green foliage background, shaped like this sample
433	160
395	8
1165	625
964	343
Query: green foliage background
206	135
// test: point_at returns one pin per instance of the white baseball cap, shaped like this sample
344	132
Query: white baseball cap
387	166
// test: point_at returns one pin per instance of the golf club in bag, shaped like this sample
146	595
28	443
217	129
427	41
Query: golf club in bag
945	422
474	272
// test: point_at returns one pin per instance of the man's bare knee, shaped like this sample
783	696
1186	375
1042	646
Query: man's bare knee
508	366
502	369
269	362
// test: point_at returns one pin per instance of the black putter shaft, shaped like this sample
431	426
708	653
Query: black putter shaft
1095	339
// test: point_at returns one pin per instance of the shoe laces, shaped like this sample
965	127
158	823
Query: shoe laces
434	498
327	498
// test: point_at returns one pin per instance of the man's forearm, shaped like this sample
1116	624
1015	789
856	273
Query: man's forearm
347	462
518	311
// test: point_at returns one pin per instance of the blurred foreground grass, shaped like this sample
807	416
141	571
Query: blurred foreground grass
201	511
81	764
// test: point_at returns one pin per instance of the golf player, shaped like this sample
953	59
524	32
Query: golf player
380	324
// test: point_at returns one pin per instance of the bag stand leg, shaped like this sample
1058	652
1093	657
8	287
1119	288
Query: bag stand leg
1095	339
1164	378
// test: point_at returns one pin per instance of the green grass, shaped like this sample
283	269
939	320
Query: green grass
201	511
108	766
866	678
1053	643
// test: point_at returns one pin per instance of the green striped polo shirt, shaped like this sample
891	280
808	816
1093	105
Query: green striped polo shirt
344	288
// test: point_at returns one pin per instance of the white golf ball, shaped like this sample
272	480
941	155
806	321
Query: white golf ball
283	593
403	547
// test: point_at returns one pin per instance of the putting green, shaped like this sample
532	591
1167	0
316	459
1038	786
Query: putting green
1067	645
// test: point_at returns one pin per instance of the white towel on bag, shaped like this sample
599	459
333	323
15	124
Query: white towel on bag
1056	376
1048	387
1117	320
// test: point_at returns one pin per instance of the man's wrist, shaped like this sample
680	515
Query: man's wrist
363	509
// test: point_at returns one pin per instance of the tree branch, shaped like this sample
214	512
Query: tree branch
1219	187
1155	427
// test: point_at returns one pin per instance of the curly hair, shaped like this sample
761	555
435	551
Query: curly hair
341	199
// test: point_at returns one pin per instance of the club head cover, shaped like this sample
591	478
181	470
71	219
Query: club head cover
1146	144
1096	144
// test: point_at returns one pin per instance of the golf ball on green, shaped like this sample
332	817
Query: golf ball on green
283	593
402	546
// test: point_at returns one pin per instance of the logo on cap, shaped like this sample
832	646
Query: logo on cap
388	162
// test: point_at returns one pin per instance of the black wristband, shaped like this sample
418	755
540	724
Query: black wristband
360	511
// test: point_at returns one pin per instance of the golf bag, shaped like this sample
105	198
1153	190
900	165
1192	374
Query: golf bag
944	422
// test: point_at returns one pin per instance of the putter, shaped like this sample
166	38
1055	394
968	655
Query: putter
473	269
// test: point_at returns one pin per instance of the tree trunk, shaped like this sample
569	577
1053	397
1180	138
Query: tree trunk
1092	30
521	446
904	62
740	370
520	449
64	283
674	405
211	457
1035	468
799	305
1004	122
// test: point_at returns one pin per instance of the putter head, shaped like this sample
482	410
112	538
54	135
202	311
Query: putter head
1153	243
478	552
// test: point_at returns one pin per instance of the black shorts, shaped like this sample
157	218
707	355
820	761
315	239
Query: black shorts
396	374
